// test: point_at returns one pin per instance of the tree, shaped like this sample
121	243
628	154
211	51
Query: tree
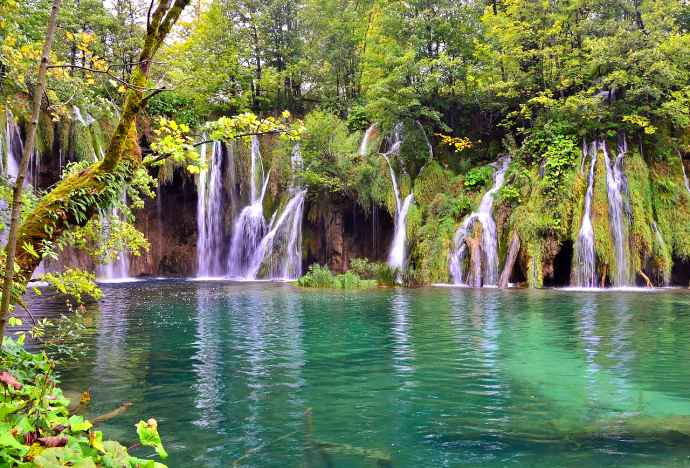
78	197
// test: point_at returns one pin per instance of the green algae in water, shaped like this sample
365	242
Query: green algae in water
428	377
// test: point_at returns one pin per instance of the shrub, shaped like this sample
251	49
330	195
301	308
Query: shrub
321	277
478	177
382	273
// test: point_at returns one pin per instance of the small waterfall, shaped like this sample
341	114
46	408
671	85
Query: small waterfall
584	268
685	176
396	256
210	214
487	273
662	245
12	147
281	248
250	225
368	135
119	268
618	219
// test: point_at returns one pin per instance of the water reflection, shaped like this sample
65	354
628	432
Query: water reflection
428	377
403	351
208	363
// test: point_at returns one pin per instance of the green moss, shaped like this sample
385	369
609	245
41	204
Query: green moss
643	243
671	203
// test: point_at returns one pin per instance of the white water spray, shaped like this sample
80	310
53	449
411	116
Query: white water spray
618	220
396	256
685	176
584	268
368	135
210	213
484	272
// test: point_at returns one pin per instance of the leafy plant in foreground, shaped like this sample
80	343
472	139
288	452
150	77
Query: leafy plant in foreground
36	428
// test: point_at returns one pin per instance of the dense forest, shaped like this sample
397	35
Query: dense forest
581	107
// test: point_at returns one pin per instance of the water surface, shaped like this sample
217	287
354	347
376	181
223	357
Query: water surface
428	377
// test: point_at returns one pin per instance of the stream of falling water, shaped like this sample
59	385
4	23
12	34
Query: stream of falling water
584	266
273	251
618	219
210	213
685	176
484	272
397	253
118	269
366	140
11	147
250	226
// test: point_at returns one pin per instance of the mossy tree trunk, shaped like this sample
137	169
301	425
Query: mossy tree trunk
76	199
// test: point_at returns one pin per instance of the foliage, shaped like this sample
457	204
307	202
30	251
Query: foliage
74	283
380	272
321	277
478	177
36	426
459	144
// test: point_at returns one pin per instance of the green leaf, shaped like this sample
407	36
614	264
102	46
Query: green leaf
77	423
148	435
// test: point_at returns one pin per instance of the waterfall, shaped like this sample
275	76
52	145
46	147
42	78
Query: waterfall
685	176
618	219
281	248
278	246
485	273
396	256
12	147
666	274
368	135
119	268
250	226
210	214
584	268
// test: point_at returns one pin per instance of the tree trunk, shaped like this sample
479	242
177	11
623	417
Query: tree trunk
38	92
511	258
76	199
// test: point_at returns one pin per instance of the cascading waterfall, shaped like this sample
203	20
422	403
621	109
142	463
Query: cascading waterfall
618	218
279	251
250	225
484	272
368	135
210	214
584	268
396	256
119	268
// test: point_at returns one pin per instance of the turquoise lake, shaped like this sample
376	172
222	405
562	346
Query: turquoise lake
269	375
